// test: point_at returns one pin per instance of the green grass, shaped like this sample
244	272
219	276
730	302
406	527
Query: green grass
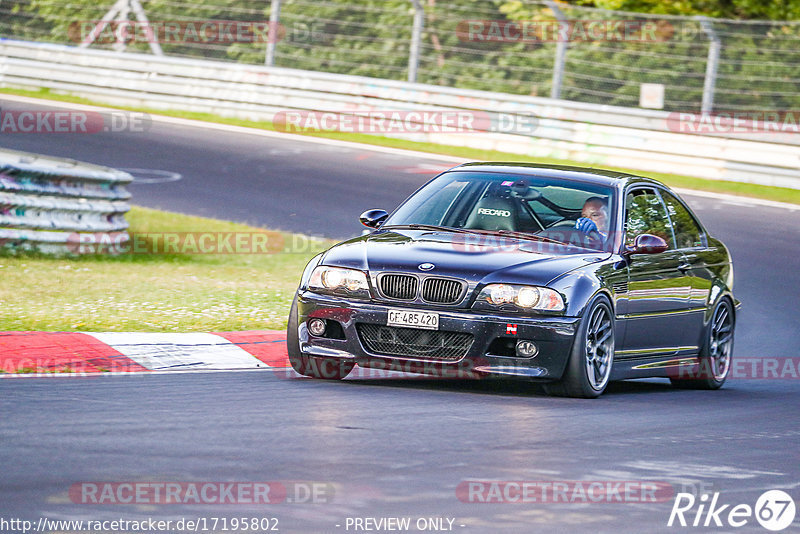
155	292
736	188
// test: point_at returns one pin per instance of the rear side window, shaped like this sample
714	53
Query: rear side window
645	214
687	231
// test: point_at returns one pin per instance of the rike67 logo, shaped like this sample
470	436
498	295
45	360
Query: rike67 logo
774	510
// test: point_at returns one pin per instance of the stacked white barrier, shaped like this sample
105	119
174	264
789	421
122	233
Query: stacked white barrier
594	134
47	203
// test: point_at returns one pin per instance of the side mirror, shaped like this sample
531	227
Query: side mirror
373	218
647	244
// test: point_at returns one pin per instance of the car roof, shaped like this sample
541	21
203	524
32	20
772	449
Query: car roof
583	174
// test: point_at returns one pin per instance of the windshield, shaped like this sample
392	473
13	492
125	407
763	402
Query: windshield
555	209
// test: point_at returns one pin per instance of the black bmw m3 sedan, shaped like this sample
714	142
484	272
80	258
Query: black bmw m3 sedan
568	276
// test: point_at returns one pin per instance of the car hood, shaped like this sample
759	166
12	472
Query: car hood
472	257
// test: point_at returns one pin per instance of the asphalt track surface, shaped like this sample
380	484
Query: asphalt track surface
395	447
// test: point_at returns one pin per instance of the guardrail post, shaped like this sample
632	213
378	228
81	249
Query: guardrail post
561	52
119	12
272	35
714	47
152	40
416	37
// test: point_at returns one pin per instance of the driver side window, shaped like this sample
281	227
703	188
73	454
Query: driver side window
646	214
687	231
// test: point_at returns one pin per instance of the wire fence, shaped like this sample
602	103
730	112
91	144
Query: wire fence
528	47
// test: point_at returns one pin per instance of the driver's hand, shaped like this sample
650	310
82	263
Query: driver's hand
586	225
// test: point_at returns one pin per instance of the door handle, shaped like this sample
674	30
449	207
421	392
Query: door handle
683	267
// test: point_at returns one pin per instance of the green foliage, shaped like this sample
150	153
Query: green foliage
759	65
730	9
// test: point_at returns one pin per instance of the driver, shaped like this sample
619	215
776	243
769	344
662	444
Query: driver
594	217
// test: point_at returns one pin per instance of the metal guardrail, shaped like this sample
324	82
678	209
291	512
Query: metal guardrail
550	48
594	134
47	203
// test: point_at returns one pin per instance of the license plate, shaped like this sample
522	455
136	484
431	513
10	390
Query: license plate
413	319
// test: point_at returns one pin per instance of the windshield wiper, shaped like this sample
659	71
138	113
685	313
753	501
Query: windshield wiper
509	233
433	227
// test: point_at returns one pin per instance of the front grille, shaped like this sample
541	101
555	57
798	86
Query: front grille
399	286
414	342
441	290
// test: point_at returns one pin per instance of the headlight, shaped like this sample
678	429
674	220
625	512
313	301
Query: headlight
340	281
520	297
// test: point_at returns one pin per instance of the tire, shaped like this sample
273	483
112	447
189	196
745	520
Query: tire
717	351
313	366
592	358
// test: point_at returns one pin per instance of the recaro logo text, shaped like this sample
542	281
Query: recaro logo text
498	213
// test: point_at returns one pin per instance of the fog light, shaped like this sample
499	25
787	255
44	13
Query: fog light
316	326
527	349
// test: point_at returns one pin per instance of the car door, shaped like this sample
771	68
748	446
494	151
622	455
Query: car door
691	241
658	288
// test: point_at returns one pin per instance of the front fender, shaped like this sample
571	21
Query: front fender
578	289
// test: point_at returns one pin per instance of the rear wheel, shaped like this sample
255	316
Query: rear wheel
313	366
715	357
589	366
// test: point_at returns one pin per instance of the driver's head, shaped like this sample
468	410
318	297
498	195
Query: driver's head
595	209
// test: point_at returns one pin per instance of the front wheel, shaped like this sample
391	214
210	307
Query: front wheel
589	366
717	351
315	367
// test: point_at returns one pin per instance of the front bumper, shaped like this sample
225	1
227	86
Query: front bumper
554	337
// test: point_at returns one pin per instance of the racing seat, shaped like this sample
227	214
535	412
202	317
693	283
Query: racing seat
497	210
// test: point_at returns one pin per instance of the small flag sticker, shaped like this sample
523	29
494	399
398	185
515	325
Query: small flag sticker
511	329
